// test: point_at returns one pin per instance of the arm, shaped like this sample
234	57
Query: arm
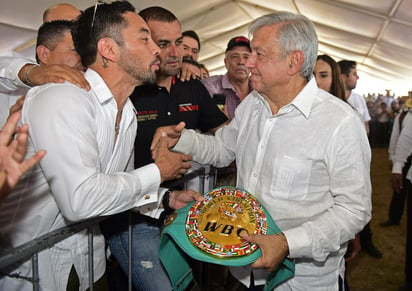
10	67
17	73
394	137
402	151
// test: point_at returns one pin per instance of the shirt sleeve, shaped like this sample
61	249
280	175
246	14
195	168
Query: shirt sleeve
394	137
403	147
9	70
62	121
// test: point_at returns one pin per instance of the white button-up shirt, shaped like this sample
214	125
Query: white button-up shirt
82	176
403	148
309	166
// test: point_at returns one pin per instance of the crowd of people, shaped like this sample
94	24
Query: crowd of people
129	107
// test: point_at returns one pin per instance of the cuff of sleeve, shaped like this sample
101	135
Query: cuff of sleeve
153	209
184	144
13	70
298	242
397	168
149	179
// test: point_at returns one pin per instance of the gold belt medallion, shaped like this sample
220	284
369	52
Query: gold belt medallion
214	225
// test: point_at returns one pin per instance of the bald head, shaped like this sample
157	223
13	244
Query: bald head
61	11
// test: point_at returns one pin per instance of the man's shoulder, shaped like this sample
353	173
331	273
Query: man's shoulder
213	79
145	91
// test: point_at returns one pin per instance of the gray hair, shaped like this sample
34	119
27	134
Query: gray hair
296	33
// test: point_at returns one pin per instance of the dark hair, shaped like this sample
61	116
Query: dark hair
96	22
337	89
51	33
192	34
346	65
157	13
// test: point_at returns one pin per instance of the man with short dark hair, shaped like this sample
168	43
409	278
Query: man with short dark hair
89	138
18	74
166	102
191	44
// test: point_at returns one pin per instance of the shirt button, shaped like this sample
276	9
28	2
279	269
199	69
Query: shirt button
254	175
147	197
168	113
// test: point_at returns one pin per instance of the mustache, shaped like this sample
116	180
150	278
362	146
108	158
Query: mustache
156	60
172	59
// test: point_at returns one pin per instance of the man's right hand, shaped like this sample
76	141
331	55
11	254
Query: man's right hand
397	182
54	74
171	165
172	133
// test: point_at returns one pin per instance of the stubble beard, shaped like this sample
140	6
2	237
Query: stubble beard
135	68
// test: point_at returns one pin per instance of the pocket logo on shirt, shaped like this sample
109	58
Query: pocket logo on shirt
188	107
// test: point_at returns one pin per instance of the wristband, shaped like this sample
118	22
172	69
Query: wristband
165	202
26	75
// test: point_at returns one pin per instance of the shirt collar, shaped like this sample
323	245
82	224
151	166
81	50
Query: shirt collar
98	85
226	83
304	100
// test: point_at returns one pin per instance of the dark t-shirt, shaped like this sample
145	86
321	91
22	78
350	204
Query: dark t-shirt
188	101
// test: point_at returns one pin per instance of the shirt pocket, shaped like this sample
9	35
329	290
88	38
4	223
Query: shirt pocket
291	178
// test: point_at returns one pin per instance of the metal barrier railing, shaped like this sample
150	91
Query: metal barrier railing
23	253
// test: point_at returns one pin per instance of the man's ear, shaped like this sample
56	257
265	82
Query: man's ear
108	49
295	60
43	54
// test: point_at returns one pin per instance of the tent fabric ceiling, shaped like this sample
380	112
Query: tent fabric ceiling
375	33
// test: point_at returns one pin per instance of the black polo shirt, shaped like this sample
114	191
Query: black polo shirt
188	101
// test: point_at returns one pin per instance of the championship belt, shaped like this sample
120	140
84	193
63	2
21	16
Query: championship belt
209	231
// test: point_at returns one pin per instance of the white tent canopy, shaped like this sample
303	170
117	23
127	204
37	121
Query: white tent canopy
377	34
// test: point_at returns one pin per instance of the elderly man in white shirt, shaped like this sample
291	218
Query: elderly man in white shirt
89	138
302	152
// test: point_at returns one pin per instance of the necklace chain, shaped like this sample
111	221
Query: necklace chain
116	128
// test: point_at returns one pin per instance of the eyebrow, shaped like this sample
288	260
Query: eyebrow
144	30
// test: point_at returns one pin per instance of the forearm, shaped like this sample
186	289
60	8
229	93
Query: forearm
205	149
11	69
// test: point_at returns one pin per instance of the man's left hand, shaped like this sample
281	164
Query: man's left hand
179	199
274	249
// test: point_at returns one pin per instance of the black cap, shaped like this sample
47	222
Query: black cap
238	41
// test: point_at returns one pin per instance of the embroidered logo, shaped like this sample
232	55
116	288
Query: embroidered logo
146	115
188	107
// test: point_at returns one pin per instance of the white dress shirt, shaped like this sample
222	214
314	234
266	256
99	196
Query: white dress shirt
359	103
403	149
309	166
11	87
82	176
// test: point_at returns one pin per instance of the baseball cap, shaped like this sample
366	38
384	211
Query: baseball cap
209	231
238	41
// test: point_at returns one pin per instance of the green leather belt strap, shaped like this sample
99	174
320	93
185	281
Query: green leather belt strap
175	246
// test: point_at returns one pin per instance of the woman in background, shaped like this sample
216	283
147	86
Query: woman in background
327	74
